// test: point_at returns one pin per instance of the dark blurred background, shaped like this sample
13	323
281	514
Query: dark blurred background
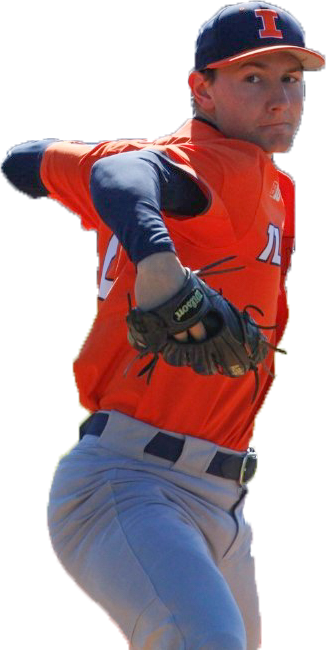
95	71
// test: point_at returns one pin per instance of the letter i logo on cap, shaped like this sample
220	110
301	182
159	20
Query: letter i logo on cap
268	17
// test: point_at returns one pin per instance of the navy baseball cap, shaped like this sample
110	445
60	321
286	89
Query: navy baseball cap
238	32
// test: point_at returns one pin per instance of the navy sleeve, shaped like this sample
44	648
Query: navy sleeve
129	190
22	167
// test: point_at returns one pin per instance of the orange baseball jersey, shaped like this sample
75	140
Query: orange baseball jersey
250	215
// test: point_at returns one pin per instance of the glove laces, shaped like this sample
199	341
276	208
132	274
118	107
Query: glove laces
202	273
254	366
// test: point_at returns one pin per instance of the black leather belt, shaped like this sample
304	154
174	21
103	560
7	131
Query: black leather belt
231	466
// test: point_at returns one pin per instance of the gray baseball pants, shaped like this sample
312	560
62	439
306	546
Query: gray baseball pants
163	547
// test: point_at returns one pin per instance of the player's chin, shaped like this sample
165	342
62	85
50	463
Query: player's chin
277	145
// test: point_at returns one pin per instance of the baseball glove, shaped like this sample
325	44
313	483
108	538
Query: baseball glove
234	344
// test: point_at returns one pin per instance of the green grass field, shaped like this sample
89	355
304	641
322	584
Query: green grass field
42	328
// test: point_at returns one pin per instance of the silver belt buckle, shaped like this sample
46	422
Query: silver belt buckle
250	454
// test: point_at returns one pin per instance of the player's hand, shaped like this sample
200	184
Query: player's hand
159	277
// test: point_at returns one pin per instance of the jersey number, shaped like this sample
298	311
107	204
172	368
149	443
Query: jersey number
106	281
273	244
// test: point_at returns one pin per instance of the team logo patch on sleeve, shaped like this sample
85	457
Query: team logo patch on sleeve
189	306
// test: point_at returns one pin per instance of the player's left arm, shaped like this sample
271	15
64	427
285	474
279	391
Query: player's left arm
130	192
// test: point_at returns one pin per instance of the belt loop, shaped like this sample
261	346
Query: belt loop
195	456
94	424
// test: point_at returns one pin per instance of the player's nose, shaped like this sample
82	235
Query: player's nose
278	99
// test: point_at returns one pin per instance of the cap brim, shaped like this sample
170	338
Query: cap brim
309	59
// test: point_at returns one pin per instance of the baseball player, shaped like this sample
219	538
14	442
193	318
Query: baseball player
195	234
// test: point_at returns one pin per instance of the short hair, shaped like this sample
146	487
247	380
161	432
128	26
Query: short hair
209	74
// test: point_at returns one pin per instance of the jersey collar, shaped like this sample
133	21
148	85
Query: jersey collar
198	128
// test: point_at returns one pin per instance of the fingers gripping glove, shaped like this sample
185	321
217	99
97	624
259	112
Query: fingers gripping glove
233	345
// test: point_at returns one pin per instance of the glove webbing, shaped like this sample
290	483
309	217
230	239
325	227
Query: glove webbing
254	367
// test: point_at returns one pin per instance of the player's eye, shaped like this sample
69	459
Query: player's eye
290	79
252	78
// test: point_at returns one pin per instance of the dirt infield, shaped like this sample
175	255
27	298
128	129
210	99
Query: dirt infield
37	595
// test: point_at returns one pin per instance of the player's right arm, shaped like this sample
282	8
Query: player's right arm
22	167
127	192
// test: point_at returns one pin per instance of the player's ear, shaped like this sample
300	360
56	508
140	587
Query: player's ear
200	89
